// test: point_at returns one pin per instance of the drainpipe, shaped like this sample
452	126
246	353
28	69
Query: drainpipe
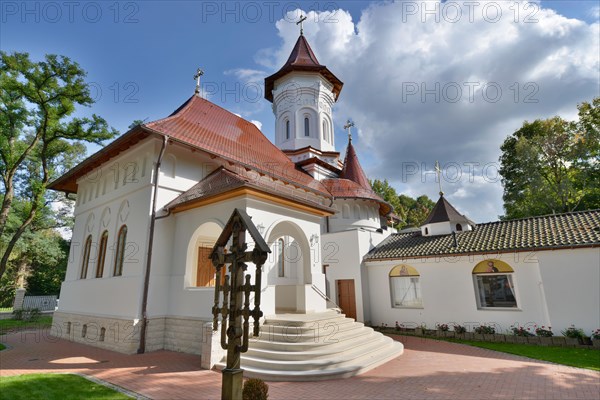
142	347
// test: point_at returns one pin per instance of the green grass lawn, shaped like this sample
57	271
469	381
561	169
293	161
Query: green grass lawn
54	386
575	357
13	324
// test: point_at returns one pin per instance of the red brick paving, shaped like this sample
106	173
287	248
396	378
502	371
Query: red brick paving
428	369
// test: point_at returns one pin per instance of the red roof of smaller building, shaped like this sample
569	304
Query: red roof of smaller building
302	58
352	169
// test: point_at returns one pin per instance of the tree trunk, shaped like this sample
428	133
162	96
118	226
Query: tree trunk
15	238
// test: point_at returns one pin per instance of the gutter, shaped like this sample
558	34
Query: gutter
142	346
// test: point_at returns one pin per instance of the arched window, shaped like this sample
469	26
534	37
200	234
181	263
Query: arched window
458	227
86	257
494	285
427	231
84	330
345	211
325	132
287	129
306	126
280	257
102	334
405	287
356	211
102	254
118	270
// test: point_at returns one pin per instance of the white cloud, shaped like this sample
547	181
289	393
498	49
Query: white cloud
421	90
257	123
247	75
595	12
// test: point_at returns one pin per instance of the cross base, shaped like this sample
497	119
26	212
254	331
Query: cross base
233	379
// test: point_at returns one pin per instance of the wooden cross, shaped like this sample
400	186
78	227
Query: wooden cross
302	19
438	172
347	127
197	76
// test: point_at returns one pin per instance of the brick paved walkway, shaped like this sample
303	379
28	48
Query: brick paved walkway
428	370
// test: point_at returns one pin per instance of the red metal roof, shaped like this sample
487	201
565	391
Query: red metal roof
204	125
352	169
347	189
223	180
302	58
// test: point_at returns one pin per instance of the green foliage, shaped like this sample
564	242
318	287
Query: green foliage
55	386
573	332
8	325
412	212
553	166
485	329
41	139
255	389
30	315
581	358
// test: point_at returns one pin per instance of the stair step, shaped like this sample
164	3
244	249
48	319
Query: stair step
346	349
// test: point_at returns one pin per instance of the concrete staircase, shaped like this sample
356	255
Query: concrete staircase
316	346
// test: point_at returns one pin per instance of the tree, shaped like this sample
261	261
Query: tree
412	212
553	166
40	137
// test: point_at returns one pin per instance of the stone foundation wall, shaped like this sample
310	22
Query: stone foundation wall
115	334
184	335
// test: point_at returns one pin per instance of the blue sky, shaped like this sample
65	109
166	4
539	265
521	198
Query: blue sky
141	57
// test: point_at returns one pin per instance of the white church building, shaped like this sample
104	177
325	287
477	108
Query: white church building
151	204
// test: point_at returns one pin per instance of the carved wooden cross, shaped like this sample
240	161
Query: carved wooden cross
236	290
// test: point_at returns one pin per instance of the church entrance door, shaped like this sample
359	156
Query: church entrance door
346	298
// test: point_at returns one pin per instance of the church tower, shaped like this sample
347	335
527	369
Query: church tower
303	93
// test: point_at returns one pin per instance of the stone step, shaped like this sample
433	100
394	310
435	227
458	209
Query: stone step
338	354
328	333
344	338
346	350
358	366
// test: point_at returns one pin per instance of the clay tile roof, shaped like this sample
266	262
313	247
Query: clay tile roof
444	211
302	58
352	169
206	126
576	229
223	180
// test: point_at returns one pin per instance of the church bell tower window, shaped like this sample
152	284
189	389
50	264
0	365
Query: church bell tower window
306	126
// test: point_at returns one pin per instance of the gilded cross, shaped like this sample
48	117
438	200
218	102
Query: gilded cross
302	19
349	124
197	76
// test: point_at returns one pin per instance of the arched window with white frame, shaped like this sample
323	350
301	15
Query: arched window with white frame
494	285
86	257
102	254
306	126
287	129
120	256
405	287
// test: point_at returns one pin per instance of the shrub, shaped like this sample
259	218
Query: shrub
573	332
596	334
459	329
485	329
520	331
26	315
443	327
543	332
255	389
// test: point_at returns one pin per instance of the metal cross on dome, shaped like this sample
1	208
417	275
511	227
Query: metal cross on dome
197	76
349	124
302	19
438	172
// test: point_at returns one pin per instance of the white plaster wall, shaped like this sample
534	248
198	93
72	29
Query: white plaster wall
368	215
170	292
572	286
115	194
295	94
343	252
449	296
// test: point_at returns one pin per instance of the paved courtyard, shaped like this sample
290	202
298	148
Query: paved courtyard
429	369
